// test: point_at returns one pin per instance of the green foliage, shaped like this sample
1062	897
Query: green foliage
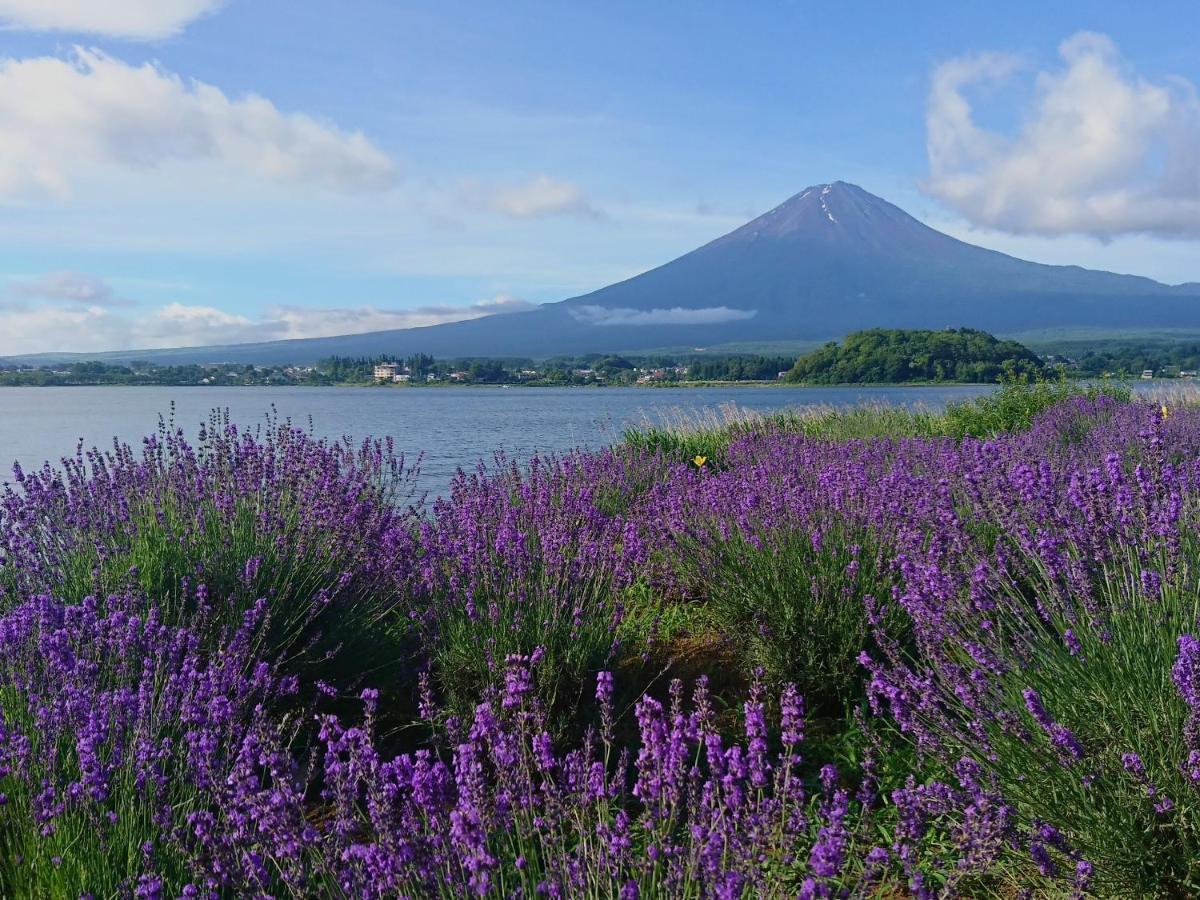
140	373
683	444
572	620
1019	400
1012	408
792	603
894	356
710	437
737	368
1101	357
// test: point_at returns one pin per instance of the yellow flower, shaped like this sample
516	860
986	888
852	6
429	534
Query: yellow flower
1164	412
699	460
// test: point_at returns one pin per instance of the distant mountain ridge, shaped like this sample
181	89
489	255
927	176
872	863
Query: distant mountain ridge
828	261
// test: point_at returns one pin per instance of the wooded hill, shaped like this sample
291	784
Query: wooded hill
895	356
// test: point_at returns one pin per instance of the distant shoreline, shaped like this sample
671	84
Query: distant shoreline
650	387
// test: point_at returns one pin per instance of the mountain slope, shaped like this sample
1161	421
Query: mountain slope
830	260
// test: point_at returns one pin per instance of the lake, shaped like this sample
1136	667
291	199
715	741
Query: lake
452	427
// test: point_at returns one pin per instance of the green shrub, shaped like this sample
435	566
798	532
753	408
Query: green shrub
1017	403
709	436
793	604
570	623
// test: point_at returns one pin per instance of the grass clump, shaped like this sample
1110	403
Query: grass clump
1018	402
683	437
1012	408
793	605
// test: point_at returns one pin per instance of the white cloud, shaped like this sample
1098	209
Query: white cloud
537	198
93	327
195	325
136	19
69	287
676	315
59	116
1101	152
42	329
301	322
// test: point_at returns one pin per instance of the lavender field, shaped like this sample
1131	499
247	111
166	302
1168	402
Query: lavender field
871	653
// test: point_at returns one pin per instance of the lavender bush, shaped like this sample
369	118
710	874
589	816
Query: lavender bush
132	762
1062	664
966	666
324	531
517	559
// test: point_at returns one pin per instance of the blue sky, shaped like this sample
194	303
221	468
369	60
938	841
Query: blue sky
191	171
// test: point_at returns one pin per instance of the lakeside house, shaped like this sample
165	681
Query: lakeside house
393	372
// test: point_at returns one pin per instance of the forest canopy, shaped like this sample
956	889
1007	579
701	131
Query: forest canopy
895	356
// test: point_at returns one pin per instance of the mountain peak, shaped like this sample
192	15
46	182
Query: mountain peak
840	216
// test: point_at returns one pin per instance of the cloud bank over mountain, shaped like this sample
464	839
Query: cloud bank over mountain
676	315
82	312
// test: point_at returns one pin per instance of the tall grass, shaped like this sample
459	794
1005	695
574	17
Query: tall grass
682	435
1017	403
792	605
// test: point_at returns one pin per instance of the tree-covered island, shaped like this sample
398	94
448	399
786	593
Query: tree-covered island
896	356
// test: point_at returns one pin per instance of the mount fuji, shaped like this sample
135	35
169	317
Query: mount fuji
830	260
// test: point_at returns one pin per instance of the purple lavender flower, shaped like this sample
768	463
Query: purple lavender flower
1060	736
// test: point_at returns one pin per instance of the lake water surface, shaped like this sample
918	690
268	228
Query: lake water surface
451	427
